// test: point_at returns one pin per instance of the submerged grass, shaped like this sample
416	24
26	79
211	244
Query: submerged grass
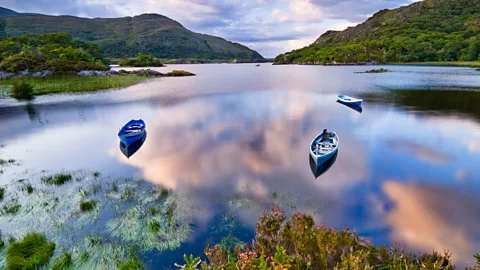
72	84
63	262
58	179
11	208
33	252
88	206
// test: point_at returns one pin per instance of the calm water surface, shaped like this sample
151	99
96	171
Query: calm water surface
407	170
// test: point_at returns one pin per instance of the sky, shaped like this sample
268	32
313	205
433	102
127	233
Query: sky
269	26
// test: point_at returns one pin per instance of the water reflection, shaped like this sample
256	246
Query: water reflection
351	106
318	171
224	140
131	149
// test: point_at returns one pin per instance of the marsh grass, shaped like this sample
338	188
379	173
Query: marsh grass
33	252
72	84
11	208
21	90
132	264
29	188
2	193
88	206
64	262
58	179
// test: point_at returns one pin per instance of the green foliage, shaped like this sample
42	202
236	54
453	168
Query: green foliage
55	52
132	264
58	179
88	206
299	243
63	262
429	30
191	262
33	252
142	60
74	84
2	193
22	90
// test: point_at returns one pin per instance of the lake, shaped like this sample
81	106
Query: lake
234	139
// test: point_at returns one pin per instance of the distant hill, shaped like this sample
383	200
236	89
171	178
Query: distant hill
7	12
126	37
429	30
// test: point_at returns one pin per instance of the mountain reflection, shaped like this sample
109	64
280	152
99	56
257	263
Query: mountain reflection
433	101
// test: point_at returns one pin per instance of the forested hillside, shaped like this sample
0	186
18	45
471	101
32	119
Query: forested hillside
152	34
430	30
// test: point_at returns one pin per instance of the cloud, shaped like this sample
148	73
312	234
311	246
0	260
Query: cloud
423	217
266	25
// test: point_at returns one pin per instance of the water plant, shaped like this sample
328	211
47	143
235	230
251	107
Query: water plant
88	206
380	70
58	179
29	189
132	264
63	262
22	90
10	208
96	174
33	252
2	193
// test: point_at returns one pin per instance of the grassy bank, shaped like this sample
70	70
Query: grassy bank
475	64
72	84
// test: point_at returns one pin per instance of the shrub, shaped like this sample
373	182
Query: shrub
300	244
33	252
88	206
22	90
58	179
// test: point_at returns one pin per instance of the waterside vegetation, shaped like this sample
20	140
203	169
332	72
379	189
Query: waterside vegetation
142	60
424	31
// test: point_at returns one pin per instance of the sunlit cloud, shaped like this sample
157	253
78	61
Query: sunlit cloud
423	217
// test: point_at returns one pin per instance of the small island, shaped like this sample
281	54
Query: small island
380	70
55	63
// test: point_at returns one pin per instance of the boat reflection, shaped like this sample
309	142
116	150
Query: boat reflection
131	149
351	106
319	170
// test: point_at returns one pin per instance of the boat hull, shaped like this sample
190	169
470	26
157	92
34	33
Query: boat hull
319	160
127	140
131	149
349	100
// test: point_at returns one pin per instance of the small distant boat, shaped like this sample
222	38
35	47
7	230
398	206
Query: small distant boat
350	100
323	147
131	149
132	132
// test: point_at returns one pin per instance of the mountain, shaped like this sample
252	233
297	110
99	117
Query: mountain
126	37
429	30
7	12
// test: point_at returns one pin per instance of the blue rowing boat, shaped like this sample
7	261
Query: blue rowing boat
132	132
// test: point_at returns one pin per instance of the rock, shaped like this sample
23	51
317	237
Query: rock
178	73
150	72
23	73
112	72
6	75
42	74
86	73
